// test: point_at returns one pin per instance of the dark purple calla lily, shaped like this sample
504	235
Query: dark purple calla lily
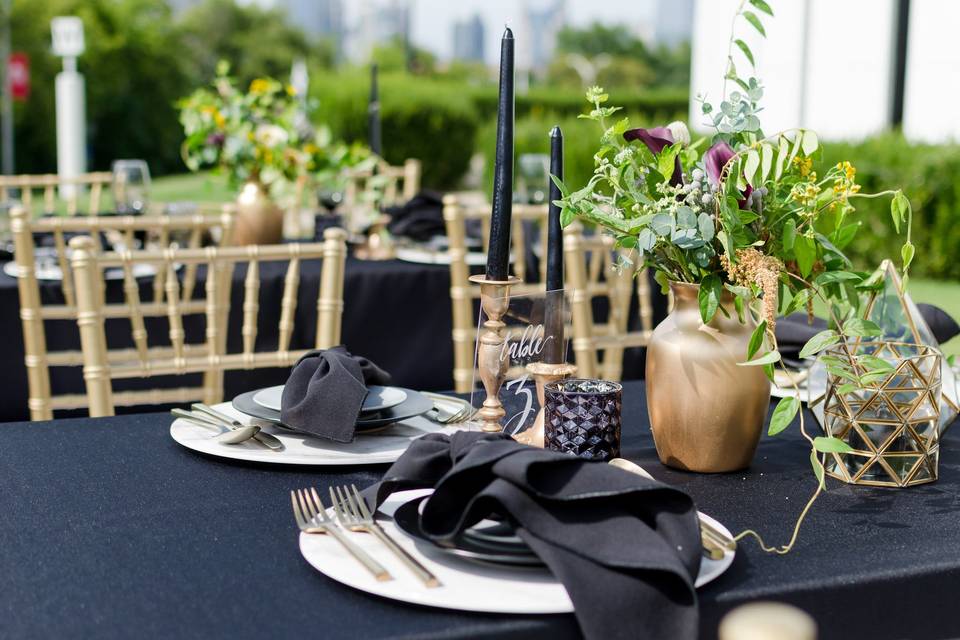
715	159
657	139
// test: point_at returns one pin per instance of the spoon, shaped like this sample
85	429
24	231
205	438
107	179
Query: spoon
238	435
266	439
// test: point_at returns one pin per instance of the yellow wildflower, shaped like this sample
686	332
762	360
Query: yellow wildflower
219	119
259	86
290	90
804	165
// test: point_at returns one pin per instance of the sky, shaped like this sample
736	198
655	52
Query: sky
433	19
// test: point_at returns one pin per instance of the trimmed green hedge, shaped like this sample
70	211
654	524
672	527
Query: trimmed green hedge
437	121
433	121
656	105
930	176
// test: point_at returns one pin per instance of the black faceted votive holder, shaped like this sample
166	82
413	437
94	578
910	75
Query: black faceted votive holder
582	418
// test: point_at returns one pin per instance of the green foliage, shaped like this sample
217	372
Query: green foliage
253	134
929	176
134	70
256	42
423	118
138	61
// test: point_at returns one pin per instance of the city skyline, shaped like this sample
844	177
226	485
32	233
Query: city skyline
431	24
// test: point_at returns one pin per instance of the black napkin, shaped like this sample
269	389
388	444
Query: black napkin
325	392
420	219
626	548
793	331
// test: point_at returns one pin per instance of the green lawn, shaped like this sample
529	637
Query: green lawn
205	187
196	187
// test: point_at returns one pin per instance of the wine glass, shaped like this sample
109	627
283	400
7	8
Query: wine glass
131	186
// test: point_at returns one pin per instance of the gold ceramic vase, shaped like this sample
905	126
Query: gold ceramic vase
706	413
259	219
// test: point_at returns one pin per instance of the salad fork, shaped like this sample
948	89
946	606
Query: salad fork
311	517
353	514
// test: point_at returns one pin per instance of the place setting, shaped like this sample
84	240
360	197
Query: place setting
330	412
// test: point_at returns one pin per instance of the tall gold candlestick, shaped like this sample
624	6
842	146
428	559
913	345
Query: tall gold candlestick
543	373
495	301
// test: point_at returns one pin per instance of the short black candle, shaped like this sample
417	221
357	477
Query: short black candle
373	114
553	321
498	254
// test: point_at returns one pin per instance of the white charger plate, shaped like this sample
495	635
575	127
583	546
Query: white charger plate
466	585
378	398
53	273
379	447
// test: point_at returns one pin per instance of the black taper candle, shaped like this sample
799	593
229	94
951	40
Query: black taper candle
553	350
373	114
498	255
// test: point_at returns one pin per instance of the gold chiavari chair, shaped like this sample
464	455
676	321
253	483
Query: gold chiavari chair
464	295
34	314
369	189
591	269
38	193
103	365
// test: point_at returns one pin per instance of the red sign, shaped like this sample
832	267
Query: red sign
18	70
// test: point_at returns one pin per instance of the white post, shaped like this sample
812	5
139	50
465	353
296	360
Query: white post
71	112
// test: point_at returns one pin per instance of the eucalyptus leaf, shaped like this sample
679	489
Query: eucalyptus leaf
783	415
686	218
705	225
662	224
646	239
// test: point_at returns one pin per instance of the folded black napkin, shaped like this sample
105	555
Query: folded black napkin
419	219
793	331
626	548
325	392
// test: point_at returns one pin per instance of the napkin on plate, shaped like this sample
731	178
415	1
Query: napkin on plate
419	219
325	392
627	549
793	331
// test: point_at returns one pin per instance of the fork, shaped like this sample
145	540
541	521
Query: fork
311	517
353	514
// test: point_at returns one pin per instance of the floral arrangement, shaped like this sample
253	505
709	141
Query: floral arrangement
753	214
261	134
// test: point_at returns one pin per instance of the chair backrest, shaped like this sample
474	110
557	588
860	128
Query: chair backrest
368	190
38	193
463	293
102	364
33	313
594	269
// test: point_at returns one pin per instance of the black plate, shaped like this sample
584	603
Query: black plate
407	519
416	404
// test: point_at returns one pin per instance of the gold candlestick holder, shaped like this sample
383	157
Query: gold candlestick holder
495	301
543	374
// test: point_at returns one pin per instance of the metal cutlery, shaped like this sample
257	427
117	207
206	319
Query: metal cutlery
232	435
312	517
266	439
353	513
715	542
465	411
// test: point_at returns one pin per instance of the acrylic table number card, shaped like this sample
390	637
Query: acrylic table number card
512	350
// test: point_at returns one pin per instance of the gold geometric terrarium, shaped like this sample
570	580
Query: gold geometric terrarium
893	424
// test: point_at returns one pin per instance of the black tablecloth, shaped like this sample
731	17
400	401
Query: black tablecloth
396	313
111	529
